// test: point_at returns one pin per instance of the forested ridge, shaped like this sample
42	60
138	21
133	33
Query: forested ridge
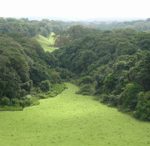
113	65
24	71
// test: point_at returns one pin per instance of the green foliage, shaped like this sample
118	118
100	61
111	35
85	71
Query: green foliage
143	106
87	89
15	102
141	72
110	82
110	99
14	69
5	101
55	90
39	73
114	65
31	28
29	100
129	97
144	41
45	85
23	66
86	80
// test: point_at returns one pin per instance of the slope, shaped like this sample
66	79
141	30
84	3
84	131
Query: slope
71	120
47	43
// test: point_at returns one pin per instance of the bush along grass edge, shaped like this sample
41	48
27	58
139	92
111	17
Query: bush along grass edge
31	99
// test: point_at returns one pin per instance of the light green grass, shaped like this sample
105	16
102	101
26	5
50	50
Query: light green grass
71	120
47	43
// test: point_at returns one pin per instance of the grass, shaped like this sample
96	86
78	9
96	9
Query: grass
47	43
71	120
11	108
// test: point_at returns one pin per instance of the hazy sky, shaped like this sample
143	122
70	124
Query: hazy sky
76	9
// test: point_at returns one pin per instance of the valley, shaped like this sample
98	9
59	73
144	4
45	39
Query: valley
71	119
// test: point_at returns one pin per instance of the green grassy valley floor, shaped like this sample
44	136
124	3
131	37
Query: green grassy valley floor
47	43
71	120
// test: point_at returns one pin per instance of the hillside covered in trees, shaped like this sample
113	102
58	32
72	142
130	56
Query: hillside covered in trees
112	64
24	70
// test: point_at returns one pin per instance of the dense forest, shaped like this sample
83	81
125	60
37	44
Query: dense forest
111	62
113	65
24	65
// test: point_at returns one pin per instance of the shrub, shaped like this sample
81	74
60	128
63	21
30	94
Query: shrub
109	99
110	83
29	101
45	85
143	106
104	98
86	80
15	101
5	101
128	98
87	89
